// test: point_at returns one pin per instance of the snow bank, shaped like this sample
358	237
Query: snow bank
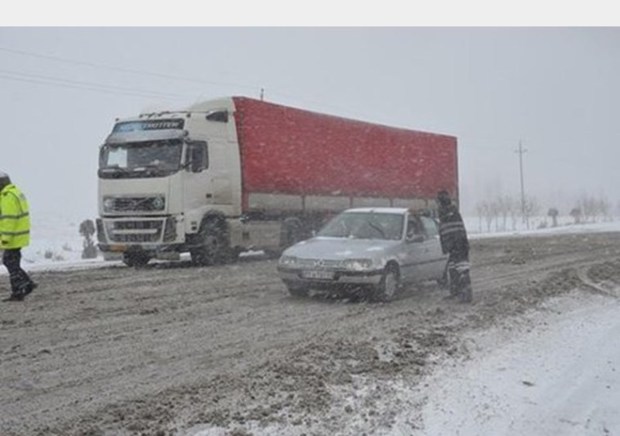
560	378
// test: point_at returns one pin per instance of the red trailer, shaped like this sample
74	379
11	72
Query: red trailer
285	150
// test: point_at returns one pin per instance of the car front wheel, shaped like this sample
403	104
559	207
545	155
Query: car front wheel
388	286
297	290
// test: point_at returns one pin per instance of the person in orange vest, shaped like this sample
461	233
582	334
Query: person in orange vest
14	235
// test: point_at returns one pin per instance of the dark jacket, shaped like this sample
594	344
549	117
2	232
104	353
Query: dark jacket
452	233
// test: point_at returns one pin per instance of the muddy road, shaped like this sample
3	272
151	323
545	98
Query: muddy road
173	349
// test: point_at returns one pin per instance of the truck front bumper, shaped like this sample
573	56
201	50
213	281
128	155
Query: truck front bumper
120	232
163	252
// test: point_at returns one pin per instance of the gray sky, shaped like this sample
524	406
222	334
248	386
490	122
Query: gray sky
556	89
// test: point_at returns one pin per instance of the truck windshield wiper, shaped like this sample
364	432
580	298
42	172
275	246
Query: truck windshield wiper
113	171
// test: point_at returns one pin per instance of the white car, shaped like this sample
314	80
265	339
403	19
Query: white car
379	248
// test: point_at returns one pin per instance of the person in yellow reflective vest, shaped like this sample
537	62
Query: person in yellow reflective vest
14	235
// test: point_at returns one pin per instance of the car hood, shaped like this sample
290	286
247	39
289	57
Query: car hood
340	248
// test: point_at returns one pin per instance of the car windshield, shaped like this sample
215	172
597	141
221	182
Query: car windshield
365	225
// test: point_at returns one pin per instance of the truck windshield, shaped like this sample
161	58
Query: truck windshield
362	225
140	159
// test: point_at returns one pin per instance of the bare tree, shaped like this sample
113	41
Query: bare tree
506	204
531	208
604	209
495	212
480	213
588	206
487	213
553	213
575	212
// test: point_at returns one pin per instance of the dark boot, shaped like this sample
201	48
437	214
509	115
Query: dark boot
466	295
15	296
454	281
30	287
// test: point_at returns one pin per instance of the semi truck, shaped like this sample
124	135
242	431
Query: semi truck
237	174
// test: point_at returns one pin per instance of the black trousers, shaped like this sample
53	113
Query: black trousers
458	268
18	277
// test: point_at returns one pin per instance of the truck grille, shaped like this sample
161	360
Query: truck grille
137	231
133	204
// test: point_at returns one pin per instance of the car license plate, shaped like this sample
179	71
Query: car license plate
319	275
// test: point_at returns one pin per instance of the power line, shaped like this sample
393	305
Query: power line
91	86
165	76
121	69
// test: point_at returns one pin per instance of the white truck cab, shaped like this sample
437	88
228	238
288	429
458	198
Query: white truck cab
169	183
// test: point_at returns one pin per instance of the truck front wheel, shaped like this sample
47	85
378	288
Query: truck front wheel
136	259
215	246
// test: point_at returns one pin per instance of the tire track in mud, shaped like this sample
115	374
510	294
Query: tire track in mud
154	350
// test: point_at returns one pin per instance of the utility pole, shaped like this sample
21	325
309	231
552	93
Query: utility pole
262	94
522	150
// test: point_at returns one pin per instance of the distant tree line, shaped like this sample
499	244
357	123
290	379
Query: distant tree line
503	212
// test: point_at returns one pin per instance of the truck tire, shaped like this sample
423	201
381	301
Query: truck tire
136	260
215	244
387	288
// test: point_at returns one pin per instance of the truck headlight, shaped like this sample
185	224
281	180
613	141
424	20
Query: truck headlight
158	203
358	264
108	204
170	229
288	261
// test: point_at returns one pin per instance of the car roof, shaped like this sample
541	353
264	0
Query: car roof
397	210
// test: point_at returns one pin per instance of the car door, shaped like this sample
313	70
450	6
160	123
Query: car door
412	264
435	260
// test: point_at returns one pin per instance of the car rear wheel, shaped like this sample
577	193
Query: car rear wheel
388	286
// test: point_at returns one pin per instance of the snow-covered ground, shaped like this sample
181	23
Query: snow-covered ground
560	378
56	243
555	371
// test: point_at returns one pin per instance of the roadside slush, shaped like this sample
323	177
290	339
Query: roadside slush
557	371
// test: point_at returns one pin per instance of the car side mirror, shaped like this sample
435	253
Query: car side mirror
415	238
